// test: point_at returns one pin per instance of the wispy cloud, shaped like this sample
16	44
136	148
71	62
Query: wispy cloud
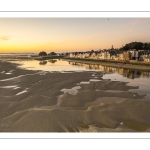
136	22
4	38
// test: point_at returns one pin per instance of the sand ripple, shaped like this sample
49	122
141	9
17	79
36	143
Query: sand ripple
98	106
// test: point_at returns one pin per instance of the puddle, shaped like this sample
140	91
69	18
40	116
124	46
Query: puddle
65	72
138	126
17	77
142	83
88	82
54	72
16	88
121	123
114	91
111	91
72	91
95	80
98	90
42	73
84	82
7	87
24	91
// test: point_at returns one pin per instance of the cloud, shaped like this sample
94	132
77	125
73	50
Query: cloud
4	38
136	22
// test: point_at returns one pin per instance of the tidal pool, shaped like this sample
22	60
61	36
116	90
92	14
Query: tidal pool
131	77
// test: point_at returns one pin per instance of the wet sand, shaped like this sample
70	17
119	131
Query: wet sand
33	101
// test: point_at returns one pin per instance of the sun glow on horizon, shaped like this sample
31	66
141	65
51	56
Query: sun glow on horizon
70	34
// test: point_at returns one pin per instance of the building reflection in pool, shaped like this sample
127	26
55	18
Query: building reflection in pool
129	73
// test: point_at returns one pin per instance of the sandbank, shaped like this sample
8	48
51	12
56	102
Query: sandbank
44	107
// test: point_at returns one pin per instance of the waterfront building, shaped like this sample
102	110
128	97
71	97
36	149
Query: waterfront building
126	55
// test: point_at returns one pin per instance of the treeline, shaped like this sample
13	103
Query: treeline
136	45
43	53
126	47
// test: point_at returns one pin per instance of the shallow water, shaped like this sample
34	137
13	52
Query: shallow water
142	82
132	77
59	65
7	87
21	92
72	91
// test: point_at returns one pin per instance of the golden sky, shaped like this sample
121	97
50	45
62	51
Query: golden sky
70	34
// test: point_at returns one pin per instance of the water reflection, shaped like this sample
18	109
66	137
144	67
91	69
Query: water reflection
61	65
44	62
132	77
122	71
49	65
52	61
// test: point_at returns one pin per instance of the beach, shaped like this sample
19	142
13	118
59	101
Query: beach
43	101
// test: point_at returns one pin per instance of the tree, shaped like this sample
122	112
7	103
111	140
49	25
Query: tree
67	54
133	45
52	54
42	53
147	46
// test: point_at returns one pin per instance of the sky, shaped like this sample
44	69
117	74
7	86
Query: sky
70	34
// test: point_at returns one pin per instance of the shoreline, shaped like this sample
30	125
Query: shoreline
112	64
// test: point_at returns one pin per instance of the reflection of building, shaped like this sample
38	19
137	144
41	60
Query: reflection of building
132	74
122	71
125	72
44	62
145	74
119	70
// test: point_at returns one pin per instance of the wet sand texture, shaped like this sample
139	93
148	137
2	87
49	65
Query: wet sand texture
45	108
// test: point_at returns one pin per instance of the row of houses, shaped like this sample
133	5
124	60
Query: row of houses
140	55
